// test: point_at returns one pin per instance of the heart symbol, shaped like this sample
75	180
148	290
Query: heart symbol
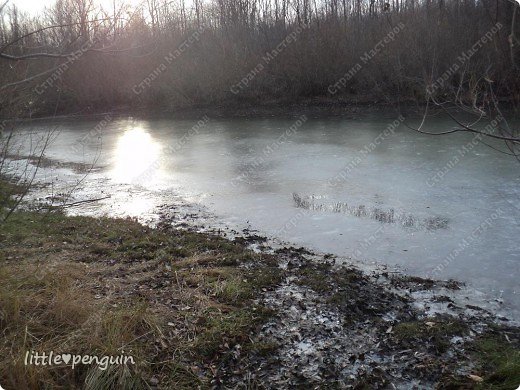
66	357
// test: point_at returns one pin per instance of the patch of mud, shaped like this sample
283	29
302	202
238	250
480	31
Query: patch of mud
338	327
392	216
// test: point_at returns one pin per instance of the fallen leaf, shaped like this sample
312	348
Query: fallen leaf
475	378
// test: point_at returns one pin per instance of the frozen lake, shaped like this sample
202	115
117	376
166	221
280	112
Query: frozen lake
370	189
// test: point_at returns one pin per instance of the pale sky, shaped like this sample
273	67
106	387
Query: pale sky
35	6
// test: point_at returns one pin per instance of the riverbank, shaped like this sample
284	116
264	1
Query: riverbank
282	108
196	309
175	301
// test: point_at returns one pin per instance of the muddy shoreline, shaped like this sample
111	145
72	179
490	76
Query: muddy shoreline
338	325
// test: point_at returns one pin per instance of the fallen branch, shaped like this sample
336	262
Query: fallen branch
78	202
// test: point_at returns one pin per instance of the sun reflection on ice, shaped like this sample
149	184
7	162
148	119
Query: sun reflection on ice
135	154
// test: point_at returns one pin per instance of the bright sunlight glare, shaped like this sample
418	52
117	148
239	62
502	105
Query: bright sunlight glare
135	152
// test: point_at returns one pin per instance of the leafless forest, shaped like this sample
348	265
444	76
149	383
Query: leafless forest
166	55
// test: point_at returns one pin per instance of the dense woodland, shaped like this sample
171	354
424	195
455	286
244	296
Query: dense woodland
166	55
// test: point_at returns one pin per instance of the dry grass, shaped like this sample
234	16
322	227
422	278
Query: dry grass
175	301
